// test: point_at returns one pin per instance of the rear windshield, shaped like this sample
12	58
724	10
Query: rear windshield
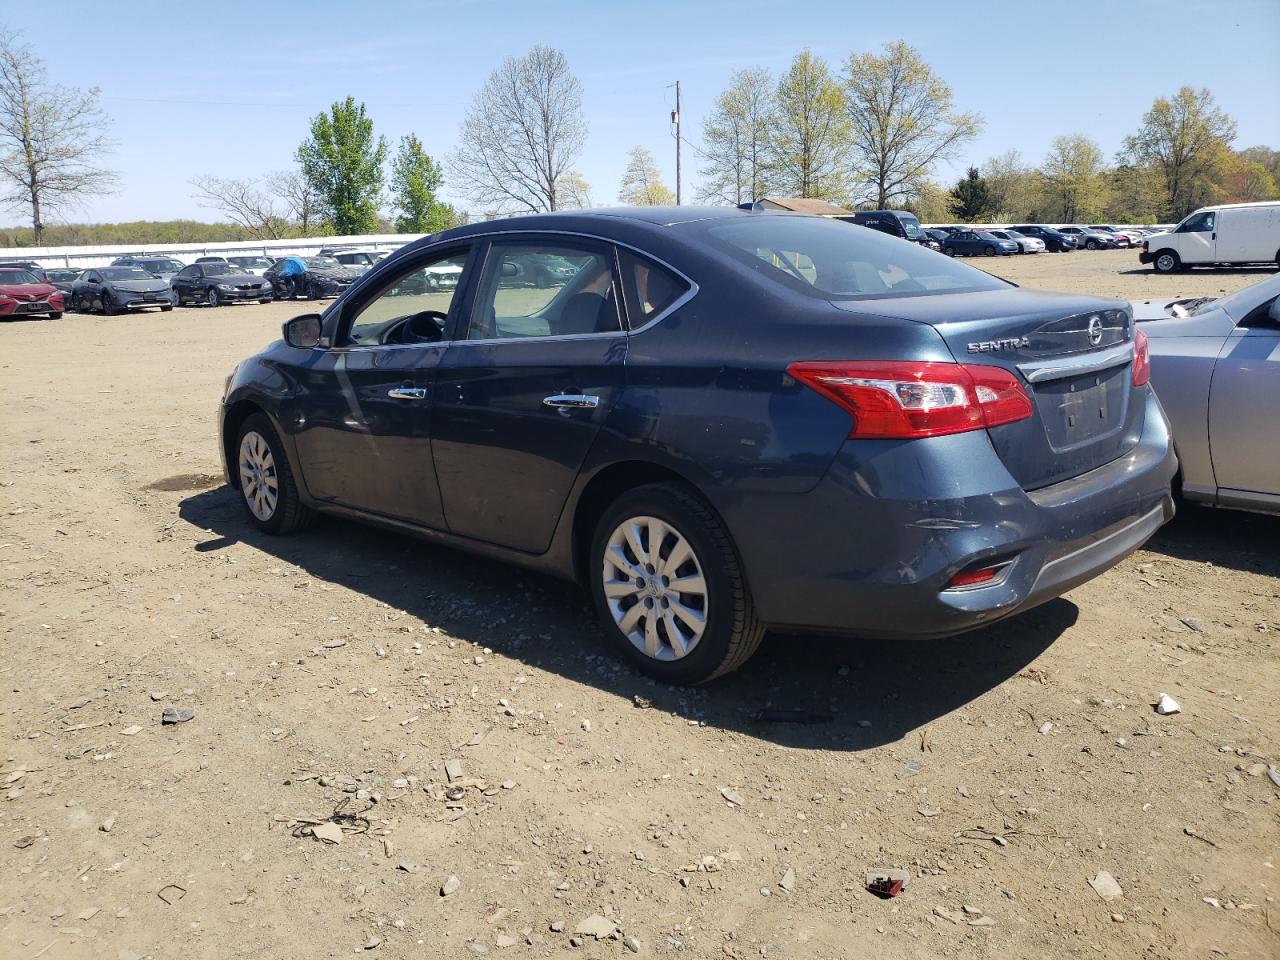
827	259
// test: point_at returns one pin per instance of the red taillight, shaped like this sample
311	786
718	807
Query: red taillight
971	578
1141	360
908	399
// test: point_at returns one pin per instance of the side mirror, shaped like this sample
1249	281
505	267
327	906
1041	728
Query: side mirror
1273	314
509	269
303	331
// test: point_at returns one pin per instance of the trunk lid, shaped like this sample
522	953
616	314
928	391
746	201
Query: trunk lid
1073	354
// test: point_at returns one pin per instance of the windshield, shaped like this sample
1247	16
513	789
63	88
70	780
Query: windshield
223	269
1012	235
161	266
911	225
125	273
251	261
321	262
63	275
17	276
825	258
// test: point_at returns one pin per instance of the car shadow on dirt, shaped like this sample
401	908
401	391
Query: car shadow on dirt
1225	538
817	692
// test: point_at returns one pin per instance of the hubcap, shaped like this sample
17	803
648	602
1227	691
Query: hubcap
655	589
258	481
212	296
1165	263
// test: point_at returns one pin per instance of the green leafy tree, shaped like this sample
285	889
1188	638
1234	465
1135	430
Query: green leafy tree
415	179
1074	178
735	140
1187	139
809	145
971	197
901	122
1012	185
642	184
343	162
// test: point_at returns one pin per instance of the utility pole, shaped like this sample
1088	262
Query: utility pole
675	118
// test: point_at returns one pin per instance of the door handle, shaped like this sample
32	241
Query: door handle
571	401
407	393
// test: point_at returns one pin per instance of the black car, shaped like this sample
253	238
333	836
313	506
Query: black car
214	283
971	243
63	278
937	235
113	290
30	266
724	421
1054	241
323	277
902	224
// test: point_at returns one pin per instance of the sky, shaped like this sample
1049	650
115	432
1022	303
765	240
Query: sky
228	89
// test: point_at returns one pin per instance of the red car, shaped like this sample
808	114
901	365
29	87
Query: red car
22	294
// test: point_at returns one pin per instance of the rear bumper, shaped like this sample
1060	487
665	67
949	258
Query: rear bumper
870	551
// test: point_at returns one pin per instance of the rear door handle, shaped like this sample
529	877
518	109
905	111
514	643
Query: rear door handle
407	393
571	401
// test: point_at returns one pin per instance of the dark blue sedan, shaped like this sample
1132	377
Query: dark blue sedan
972	243
720	421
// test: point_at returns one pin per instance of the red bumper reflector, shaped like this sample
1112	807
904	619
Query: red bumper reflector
972	578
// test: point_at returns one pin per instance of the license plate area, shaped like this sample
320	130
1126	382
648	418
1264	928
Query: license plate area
1083	409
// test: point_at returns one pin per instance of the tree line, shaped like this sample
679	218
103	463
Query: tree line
870	133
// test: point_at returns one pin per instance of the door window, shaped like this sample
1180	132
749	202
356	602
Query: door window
551	288
413	305
1200	223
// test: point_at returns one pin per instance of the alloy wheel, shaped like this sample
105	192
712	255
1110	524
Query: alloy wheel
258	480
655	588
212	297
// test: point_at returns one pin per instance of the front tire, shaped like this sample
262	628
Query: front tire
1166	261
1091	245
988	251
669	587
212	297
55	315
108	305
949	251
267	488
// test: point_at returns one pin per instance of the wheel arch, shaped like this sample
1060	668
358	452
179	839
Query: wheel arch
604	487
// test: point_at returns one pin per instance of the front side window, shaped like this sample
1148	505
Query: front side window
550	288
825	259
413	304
1198	223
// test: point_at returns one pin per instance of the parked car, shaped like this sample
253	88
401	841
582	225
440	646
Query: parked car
30	266
970	243
1025	243
63	278
1230	233
255	265
214	284
166	268
360	260
703	420
902	224
115	289
324	277
1089	239
1123	240
1054	241
1215	364
937	235
23	294
212	259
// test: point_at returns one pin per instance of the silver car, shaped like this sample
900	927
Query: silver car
1215	365
1025	243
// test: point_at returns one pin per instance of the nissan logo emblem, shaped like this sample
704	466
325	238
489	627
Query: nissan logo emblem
1095	331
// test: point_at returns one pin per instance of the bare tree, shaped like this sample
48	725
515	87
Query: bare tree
304	206
522	133
902	122
51	138
735	137
245	203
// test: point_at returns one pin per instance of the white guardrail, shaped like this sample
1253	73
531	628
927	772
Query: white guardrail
101	256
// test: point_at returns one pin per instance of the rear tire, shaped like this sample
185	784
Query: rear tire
267	488
677	635
1166	261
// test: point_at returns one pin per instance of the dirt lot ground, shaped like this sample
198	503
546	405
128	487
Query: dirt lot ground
336	672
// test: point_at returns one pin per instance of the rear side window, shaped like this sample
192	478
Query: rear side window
649	288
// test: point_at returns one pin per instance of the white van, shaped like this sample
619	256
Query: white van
1226	234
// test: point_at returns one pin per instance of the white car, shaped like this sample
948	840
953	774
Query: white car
1230	233
1025	243
255	265
443	276
360	260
